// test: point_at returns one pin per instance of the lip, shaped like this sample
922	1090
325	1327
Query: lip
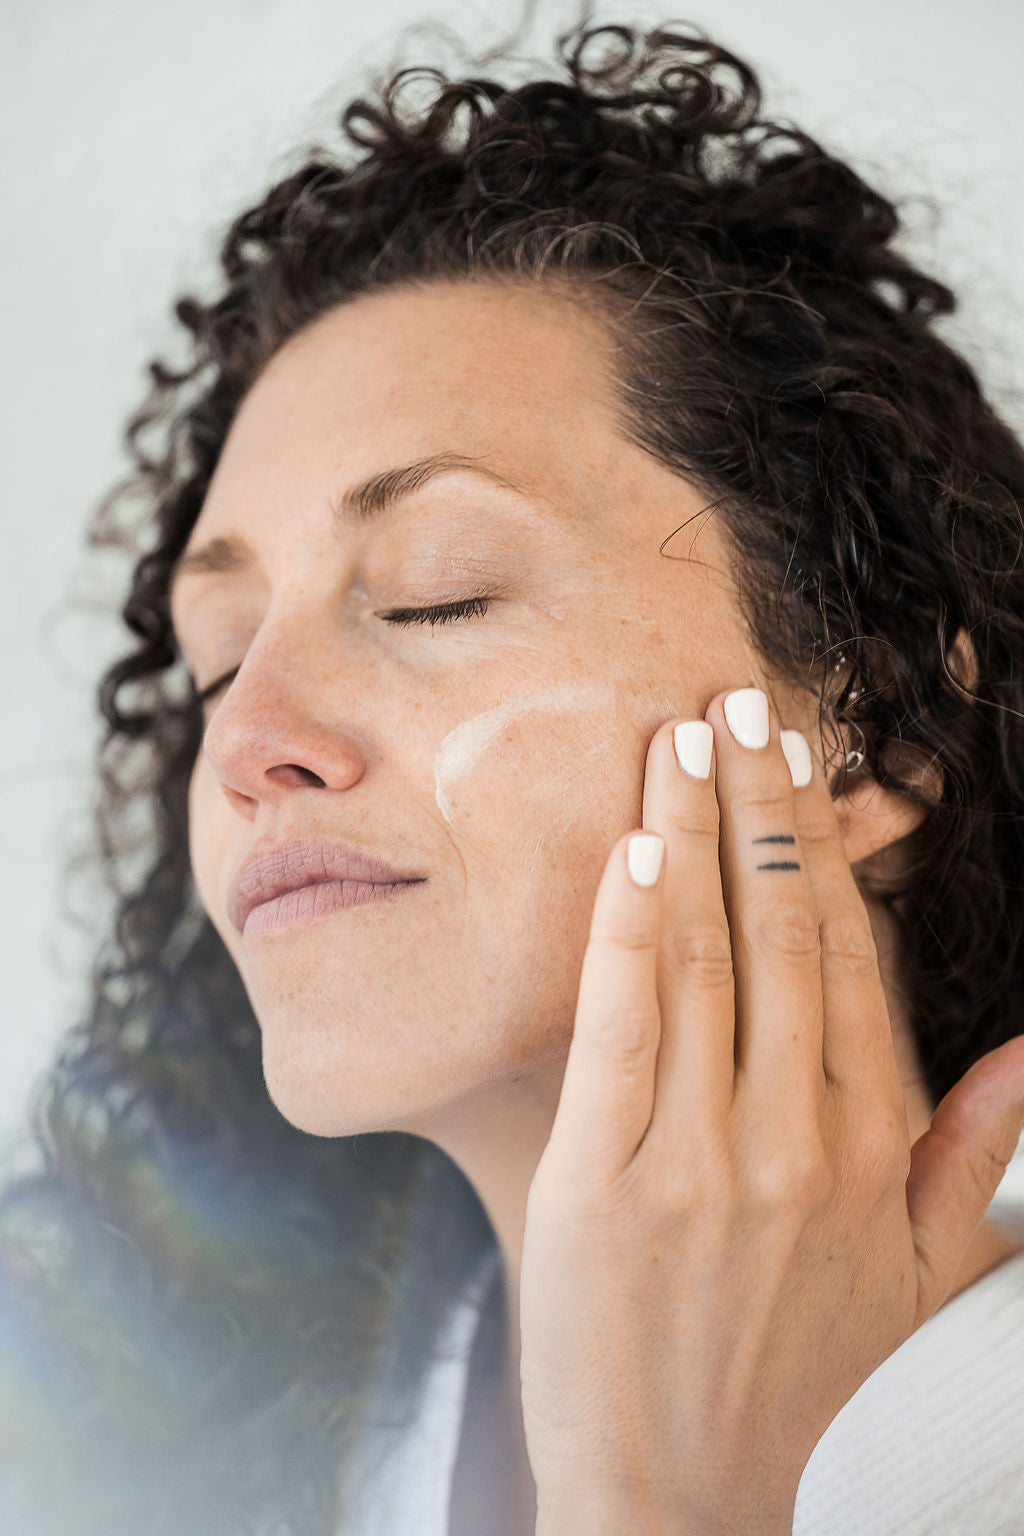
274	871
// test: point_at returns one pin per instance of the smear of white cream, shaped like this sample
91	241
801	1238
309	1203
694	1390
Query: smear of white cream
462	746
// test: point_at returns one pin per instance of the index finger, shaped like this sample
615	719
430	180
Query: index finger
607	1093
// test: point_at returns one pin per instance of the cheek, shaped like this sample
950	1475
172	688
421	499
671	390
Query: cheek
537	755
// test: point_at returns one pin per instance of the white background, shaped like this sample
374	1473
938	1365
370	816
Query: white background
134	133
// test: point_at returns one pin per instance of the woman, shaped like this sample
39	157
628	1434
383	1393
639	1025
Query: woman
436	1156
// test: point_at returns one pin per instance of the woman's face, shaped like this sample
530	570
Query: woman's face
499	755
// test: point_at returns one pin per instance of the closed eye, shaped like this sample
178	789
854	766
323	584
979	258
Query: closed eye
441	613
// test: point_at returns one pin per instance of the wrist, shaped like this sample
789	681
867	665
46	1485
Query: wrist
603	1511
597	1511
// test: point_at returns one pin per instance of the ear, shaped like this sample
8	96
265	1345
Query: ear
874	819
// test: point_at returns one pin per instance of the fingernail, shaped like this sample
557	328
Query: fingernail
644	853
746	714
693	740
798	756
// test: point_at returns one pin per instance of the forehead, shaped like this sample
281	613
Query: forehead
512	373
512	376
494	332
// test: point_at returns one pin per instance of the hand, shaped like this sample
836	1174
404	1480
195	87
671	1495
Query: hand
728	1232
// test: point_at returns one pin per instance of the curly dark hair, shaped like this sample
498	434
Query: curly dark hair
195	1293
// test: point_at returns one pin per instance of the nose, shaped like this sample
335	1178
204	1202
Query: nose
276	728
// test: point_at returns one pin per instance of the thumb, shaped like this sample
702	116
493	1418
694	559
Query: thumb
956	1166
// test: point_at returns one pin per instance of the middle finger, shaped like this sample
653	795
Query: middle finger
773	917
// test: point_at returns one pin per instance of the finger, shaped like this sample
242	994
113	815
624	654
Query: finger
772	915
608	1087
957	1164
694	1081
858	1055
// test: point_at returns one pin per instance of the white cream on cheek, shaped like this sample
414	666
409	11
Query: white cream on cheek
462	747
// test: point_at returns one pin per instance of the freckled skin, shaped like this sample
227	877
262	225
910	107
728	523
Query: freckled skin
383	1015
448	1011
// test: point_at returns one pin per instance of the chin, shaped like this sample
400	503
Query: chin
321	1120
334	1092
320	1108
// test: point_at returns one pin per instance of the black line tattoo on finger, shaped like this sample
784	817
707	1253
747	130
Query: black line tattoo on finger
779	837
781	864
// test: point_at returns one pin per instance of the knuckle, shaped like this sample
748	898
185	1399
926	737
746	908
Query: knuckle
817	831
785	1181
626	1037
633	937
702	955
847	937
698	821
783	927
1005	1148
772	794
979	1178
699	1180
987	1169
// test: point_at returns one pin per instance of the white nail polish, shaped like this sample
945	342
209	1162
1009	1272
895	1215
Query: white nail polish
693	740
644	854
746	714
798	756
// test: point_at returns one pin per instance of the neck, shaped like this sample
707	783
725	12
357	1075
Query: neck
496	1137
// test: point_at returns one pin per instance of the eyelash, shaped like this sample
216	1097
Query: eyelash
441	613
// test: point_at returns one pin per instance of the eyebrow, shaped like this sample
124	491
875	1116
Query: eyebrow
354	507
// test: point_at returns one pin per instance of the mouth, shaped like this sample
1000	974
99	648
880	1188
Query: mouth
309	903
283	884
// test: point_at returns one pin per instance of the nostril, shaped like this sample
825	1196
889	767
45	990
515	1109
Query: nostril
290	773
